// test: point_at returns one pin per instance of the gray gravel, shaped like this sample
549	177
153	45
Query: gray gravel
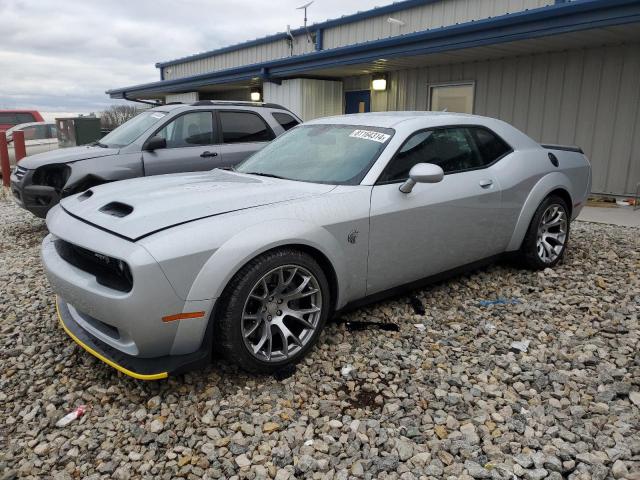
447	399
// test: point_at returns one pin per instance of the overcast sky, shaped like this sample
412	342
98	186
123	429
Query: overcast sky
61	55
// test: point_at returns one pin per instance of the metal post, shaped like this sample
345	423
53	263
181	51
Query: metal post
4	159
19	145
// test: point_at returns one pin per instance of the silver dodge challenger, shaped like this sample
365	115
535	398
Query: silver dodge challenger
154	275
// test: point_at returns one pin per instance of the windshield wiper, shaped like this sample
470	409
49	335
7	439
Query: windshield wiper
265	175
98	144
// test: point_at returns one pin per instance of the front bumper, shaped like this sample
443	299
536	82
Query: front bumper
38	199
126	328
138	368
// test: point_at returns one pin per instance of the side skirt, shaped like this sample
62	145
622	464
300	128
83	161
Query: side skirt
433	279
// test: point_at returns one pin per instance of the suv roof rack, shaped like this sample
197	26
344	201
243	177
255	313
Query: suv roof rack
237	103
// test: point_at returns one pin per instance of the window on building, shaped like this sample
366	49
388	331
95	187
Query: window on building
452	98
189	130
242	127
285	120
53	131
450	148
491	146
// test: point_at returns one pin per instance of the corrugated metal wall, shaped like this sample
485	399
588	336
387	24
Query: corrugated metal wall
433	15
589	98
306	98
188	97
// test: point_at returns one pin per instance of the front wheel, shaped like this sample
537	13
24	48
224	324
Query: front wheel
546	240
272	311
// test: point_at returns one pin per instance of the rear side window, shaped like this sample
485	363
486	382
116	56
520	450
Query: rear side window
490	146
285	120
25	118
242	127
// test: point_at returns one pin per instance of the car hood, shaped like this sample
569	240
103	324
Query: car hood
66	155
136	208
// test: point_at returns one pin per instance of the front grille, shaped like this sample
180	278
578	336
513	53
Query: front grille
110	272
19	172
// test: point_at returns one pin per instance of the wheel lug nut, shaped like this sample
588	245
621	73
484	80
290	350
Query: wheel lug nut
271	299
279	312
269	317
279	301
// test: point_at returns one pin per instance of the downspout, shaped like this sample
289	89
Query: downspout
319	39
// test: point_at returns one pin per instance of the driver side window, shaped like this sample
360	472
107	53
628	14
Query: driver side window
190	130
450	148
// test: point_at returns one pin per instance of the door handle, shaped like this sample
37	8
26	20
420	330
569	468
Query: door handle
486	183
209	154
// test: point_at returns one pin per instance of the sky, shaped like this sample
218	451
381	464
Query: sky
62	55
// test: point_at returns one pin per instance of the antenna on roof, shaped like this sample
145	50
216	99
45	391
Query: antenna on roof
304	7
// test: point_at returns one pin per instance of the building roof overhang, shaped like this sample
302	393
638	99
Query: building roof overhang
554	23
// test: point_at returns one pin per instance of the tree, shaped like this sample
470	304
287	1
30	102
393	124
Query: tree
116	115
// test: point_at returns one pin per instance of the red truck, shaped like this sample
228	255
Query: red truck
9	118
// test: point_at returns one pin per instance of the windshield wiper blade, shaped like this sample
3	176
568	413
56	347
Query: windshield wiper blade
265	175
98	144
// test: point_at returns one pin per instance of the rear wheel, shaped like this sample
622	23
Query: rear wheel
272	311
546	240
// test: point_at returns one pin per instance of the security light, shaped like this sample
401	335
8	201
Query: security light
379	83
255	95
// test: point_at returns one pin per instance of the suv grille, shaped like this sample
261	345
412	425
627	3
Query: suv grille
20	171
110	272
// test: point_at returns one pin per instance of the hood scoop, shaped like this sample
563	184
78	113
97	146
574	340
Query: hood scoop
117	209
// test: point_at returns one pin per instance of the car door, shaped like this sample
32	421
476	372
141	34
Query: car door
436	227
242	134
191	145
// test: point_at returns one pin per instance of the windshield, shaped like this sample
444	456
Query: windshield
334	154
132	129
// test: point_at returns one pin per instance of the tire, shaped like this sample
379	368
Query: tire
542	228
254	293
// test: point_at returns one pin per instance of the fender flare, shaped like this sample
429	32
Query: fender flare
241	248
546	185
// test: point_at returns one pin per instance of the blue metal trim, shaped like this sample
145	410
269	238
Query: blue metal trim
561	18
386	9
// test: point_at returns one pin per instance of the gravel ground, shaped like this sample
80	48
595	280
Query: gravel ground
444	396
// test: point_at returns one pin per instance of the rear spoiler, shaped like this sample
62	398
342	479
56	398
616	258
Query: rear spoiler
566	148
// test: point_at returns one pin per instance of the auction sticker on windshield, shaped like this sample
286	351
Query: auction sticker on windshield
370	135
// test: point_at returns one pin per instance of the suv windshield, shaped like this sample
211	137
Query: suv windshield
334	154
132	129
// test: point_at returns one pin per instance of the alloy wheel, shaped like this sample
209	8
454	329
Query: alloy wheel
281	313
552	233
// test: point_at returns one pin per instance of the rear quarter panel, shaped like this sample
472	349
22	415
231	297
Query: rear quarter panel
527	177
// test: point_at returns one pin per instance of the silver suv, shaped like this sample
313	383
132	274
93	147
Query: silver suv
166	139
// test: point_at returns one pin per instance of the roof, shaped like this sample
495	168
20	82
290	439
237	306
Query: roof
345	19
556	19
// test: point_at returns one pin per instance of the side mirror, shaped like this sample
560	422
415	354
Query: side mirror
422	173
155	143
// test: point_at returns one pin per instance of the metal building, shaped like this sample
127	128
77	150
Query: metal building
564	71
